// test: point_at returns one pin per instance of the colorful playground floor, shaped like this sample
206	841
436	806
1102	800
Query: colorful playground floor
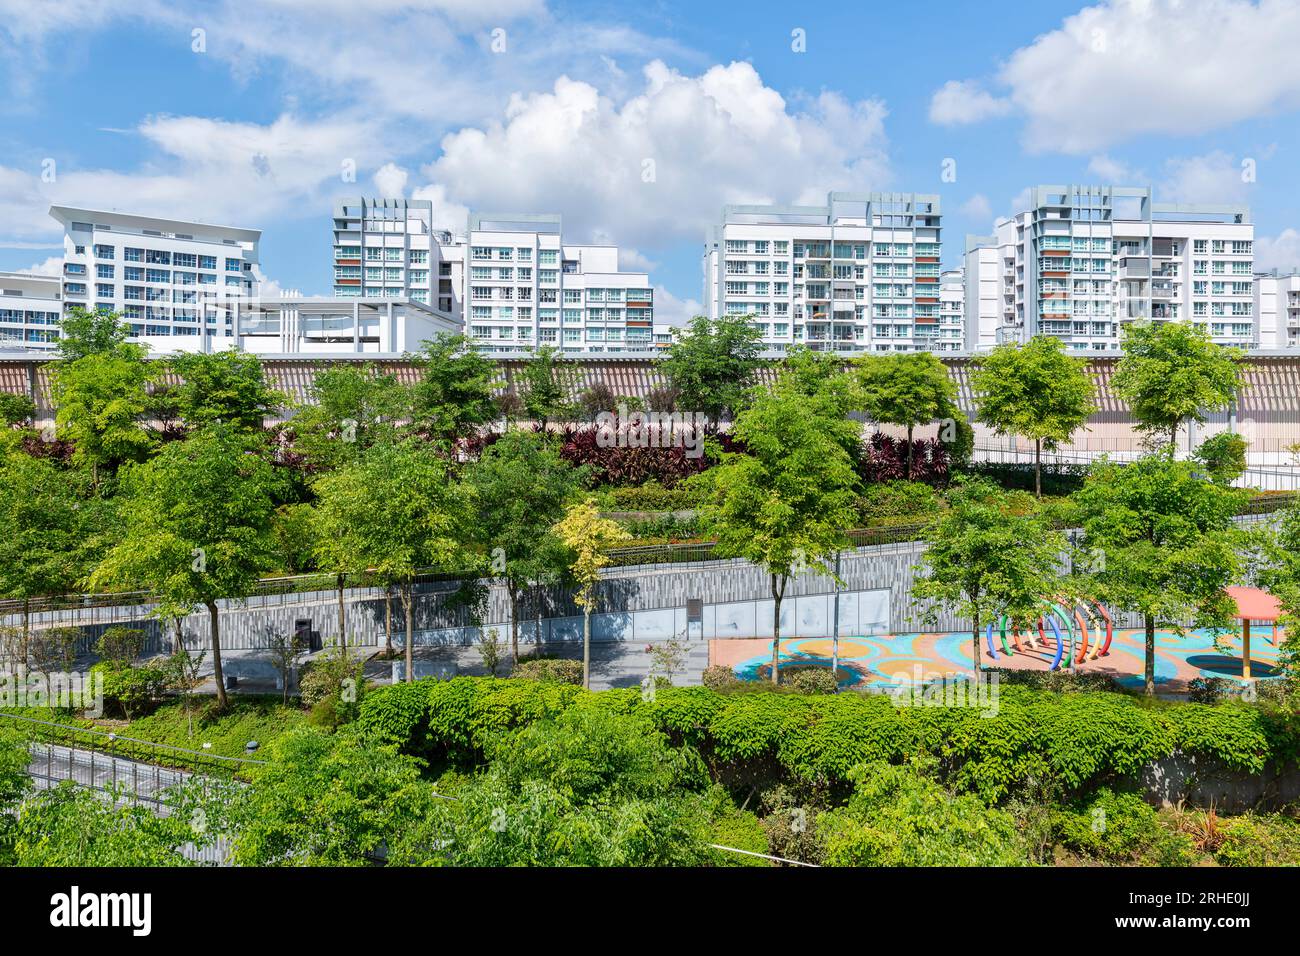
905	658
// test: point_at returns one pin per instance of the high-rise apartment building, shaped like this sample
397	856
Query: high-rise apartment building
1081	262
1277	309
525	288
30	308
156	273
861	273
389	249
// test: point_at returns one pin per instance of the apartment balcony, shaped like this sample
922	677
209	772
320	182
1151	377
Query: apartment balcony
1134	269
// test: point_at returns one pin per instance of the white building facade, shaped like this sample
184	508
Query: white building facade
526	288
861	273
389	249
1082	262
30	308
1277	309
156	273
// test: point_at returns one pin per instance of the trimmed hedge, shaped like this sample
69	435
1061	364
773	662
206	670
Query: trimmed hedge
1082	740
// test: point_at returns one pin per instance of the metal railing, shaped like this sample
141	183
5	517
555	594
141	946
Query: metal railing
116	747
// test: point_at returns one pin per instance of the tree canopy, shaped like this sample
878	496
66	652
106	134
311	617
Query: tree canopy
1173	373
1034	390
711	363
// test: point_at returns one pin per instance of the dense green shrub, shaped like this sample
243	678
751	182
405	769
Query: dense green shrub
1079	741
900	816
1110	826
741	830
549	669
1259	840
813	680
128	690
899	499
333	685
719	677
651	496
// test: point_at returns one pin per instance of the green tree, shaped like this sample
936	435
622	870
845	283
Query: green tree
523	486
326	800
548	386
16	410
43	548
1034	390
589	788
395	511
788	501
907	389
102	404
453	395
198	526
349	410
586	535
227	386
1164	544
1224	457
983	559
74	827
711	363
1173	373
83	332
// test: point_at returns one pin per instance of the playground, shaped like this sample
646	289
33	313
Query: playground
1070	635
905	658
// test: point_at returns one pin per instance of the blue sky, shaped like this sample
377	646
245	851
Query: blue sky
249	113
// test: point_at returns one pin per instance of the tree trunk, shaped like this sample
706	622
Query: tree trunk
975	633
388	621
1150	625
586	648
214	619
909	452
514	622
1038	467
777	594
343	617
408	602
27	635
180	634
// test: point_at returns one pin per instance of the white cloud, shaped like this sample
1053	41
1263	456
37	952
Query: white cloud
658	167
959	102
53	266
674	311
1215	177
633	260
390	180
977	207
1128	68
1281	253
206	170
447	214
1113	170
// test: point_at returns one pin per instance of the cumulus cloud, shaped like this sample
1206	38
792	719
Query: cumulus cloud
1281	253
390	180
671	310
53	266
1128	68
1113	170
659	165
959	102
